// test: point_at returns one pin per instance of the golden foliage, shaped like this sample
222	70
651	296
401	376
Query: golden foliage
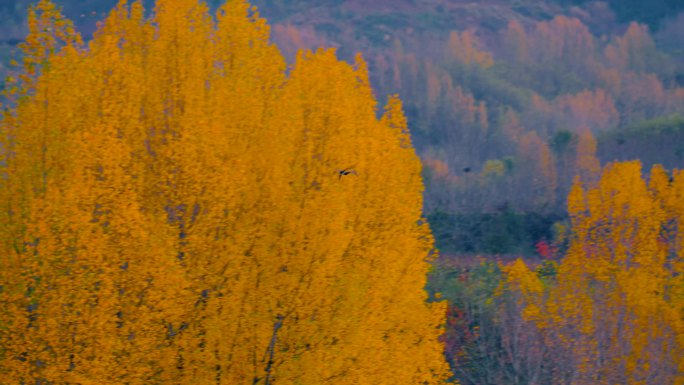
174	212
615	309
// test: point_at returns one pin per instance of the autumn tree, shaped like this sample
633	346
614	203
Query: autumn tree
613	312
537	177
635	50
175	211
464	48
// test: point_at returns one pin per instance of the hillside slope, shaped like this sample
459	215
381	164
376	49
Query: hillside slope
508	100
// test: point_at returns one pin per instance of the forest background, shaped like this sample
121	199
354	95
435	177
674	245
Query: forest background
508	102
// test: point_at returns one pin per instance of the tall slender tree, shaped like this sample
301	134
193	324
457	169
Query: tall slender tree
176	212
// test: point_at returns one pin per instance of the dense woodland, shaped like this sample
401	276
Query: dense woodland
193	196
508	100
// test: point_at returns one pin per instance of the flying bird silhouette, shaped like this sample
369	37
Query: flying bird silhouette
346	171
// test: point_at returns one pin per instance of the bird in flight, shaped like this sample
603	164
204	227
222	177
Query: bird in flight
346	171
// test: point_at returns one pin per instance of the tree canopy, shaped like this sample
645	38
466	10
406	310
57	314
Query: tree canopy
173	210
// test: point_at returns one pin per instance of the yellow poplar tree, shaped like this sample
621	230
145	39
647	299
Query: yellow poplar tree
178	211
587	165
542	179
614	313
